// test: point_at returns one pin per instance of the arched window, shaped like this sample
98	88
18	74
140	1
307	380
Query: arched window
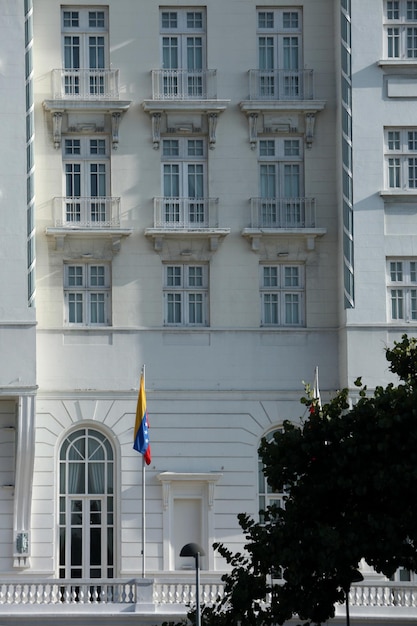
267	495
86	506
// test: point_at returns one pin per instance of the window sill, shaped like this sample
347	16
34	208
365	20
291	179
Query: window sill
412	63
398	195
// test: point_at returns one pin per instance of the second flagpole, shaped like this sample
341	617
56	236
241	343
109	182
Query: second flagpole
143	502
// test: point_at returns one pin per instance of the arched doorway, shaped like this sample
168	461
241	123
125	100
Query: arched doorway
86	506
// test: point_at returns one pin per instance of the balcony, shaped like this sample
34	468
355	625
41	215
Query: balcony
184	85
184	92
278	217
121	601
89	84
87	216
186	217
281	85
276	91
85	90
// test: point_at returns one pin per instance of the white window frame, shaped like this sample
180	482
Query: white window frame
400	25
86	506
401	159
87	290
183	299
402	290
281	286
185	152
83	30
86	176
280	153
180	29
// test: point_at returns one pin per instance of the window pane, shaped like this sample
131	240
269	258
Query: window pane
292	308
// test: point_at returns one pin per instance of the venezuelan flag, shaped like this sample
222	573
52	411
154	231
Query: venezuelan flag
141	435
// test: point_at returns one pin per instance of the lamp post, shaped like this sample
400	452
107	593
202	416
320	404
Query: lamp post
193	549
355	577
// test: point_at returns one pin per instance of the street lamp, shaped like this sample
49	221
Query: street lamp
355	577
193	549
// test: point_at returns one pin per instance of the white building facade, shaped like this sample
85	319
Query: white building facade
201	209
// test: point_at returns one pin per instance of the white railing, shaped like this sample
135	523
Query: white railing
283	213
392	594
85	84
185	213
86	212
184	84
281	85
117	593
59	591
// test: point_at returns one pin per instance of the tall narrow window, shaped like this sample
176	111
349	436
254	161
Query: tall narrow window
186	295
184	182
183	42
281	183
86	506
87	201
85	50
87	294
279	53
400	24
401	159
282	295
402	290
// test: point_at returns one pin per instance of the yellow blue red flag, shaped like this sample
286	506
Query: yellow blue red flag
141	435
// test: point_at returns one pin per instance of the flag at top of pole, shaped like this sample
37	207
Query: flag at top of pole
141	435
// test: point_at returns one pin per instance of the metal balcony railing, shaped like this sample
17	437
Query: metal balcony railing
86	212
184	84
185	213
281	85
283	213
85	84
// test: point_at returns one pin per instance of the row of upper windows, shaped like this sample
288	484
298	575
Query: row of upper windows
400	26
179	20
87	294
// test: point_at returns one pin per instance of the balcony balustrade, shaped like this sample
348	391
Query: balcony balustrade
185	213
85	84
281	85
86	212
184	84
389	602
283	213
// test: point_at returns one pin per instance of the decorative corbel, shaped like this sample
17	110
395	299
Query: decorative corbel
310	119
156	129
212	123
115	121
57	128
253	129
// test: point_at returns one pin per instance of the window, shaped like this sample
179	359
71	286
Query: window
85	54
401	158
87	294
402	290
401	29
279	52
186	294
86	506
184	182
86	180
183	51
282	295
281	177
267	497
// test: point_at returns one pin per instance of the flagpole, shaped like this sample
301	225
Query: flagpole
143	500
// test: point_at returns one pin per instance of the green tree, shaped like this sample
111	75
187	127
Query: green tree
350	478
